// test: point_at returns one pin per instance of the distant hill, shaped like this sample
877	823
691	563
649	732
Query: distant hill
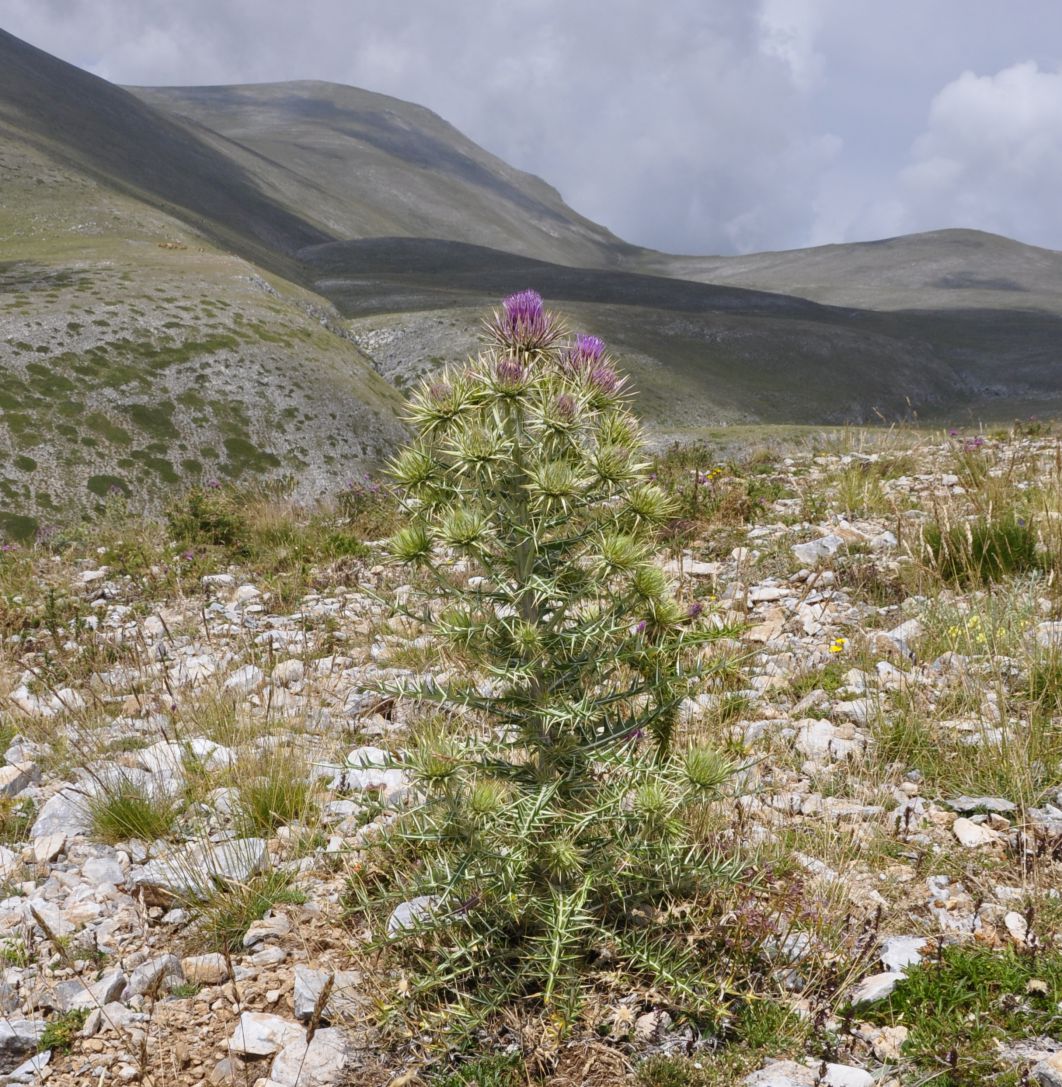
239	282
941	269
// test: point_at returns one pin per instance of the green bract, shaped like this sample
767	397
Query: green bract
554	822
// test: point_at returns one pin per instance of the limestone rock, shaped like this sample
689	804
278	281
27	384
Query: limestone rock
815	551
78	995
791	1074
190	871
898	952
259	1034
155	975
289	672
14	778
973	835
343	1001
408	915
321	1063
876	987
272	928
1048	1073
205	969
19	1036
64	813
823	740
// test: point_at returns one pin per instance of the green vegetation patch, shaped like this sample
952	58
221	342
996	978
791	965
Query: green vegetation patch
108	429
102	485
18	526
245	456
965	1002
156	419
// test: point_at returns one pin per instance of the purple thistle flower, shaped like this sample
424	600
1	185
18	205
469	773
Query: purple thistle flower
8	547
641	627
953	433
524	307
604	379
213	485
588	352
509	373
694	611
524	324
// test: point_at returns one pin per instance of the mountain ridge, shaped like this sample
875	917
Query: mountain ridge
240	281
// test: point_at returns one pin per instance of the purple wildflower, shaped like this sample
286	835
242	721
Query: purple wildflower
953	433
641	627
8	547
566	407
524	324
523	308
588	352
694	611
213	485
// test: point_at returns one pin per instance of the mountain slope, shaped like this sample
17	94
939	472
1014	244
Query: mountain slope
103	131
361	164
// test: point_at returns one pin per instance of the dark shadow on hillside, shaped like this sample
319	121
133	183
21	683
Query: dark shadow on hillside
375	275
78	117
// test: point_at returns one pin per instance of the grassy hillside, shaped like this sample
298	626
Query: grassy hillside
941	269
136	355
360	165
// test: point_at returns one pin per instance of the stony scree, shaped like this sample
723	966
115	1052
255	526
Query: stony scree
204	943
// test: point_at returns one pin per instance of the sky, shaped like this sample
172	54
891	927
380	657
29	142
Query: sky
691	126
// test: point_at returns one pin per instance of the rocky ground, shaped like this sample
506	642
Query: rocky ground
191	773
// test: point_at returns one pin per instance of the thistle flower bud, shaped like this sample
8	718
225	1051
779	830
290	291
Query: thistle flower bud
604	379
487	797
649	583
565	407
651	800
509	374
440	392
411	545
695	610
706	768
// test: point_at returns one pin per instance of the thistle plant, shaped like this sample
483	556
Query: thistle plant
554	826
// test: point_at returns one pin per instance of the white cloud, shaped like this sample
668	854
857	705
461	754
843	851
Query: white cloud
990	158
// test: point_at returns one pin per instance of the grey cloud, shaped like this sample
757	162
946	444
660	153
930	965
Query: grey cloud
688	125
